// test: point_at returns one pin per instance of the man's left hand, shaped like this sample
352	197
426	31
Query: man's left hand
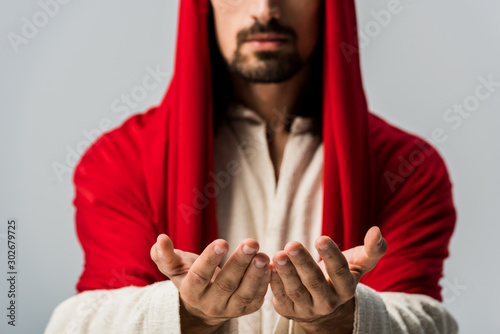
320	297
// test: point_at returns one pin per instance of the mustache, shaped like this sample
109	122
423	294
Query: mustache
271	26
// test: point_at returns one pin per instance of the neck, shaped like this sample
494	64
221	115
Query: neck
275	101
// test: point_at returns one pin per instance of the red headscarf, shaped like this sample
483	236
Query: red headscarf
142	179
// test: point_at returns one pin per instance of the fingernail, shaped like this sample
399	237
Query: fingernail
295	252
260	264
219	250
248	250
379	243
282	262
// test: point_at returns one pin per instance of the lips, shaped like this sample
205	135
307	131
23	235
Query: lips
261	42
266	38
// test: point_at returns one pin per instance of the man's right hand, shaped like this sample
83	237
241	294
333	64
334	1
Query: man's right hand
209	295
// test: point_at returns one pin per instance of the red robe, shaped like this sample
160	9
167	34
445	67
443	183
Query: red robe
137	181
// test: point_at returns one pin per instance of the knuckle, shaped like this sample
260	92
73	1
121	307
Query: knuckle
311	265
316	282
258	300
239	264
243	300
165	272
303	262
297	293
225	285
342	270
290	272
280	295
211	261
199	278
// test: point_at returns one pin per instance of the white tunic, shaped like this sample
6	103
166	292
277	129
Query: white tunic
254	205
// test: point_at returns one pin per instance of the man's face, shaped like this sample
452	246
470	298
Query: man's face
267	41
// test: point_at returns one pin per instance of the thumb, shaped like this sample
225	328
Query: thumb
362	259
375	245
165	257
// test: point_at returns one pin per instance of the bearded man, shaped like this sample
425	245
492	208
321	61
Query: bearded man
262	167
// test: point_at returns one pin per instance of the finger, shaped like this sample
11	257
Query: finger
294	288
260	295
337	267
281	301
162	253
201	272
246	296
173	263
229	278
364	258
309	272
375	244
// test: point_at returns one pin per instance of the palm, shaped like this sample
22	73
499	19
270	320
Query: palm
179	266
361	259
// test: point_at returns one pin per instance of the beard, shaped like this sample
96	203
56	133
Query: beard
271	67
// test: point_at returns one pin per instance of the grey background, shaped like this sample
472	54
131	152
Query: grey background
64	80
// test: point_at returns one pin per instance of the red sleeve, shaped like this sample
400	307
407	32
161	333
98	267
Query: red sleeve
115	220
416	216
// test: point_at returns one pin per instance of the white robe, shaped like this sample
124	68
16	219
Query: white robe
252	205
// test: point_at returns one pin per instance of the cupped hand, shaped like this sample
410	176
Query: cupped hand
210	294
321	296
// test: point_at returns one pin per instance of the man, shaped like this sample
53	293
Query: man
263	142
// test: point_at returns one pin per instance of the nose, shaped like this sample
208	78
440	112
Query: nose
265	10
